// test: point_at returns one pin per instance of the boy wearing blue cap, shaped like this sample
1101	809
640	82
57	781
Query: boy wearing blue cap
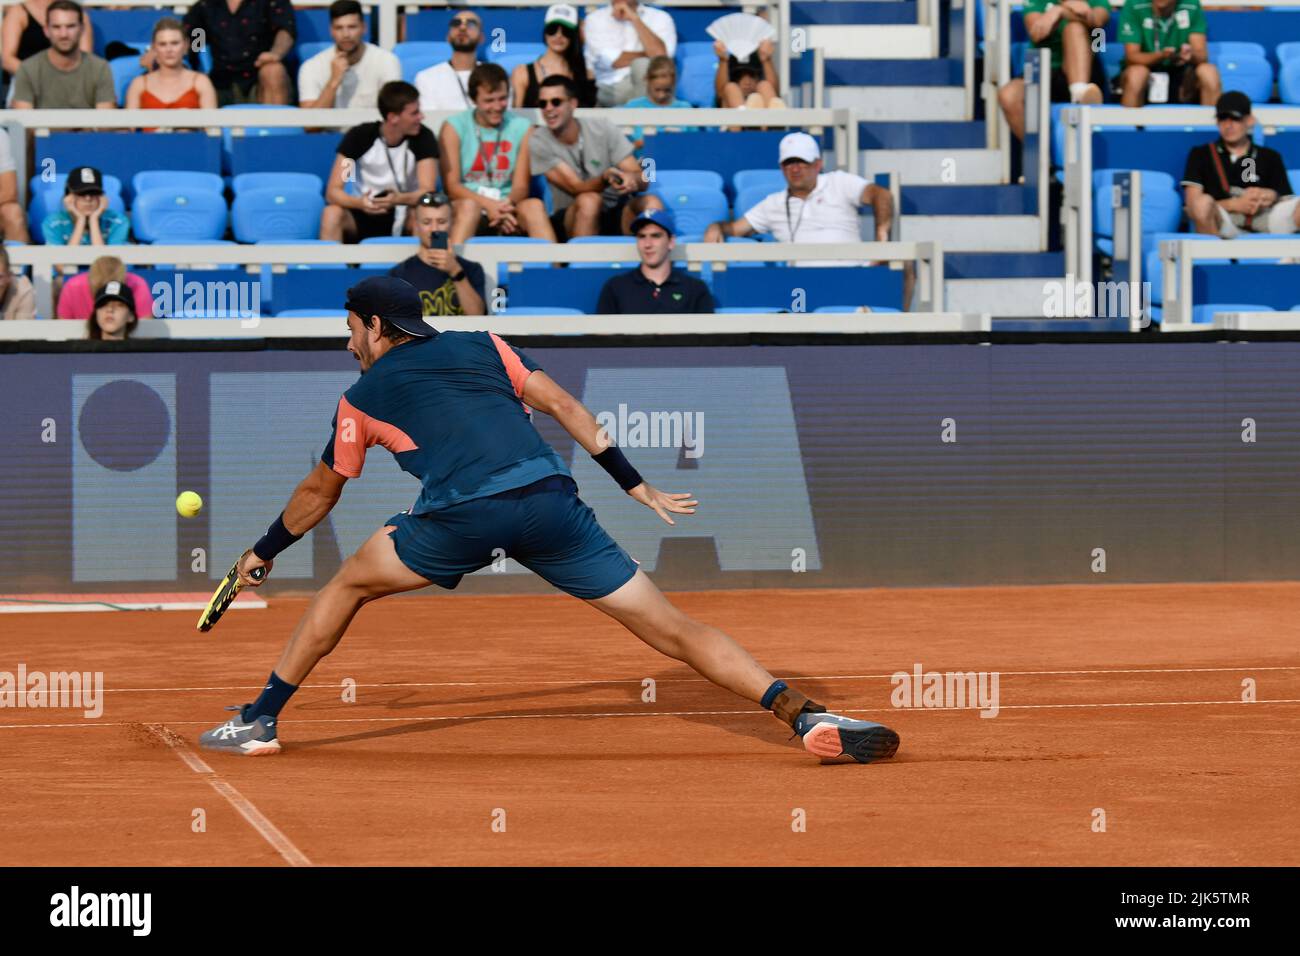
655	287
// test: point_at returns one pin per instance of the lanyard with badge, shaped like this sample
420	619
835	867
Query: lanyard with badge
802	207
399	182
489	190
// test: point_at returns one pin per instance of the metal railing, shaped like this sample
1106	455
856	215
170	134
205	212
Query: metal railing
1178	256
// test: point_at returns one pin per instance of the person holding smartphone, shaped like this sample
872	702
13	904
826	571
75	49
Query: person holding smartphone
448	285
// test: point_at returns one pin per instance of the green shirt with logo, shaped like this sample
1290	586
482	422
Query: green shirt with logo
1140	24
1053	41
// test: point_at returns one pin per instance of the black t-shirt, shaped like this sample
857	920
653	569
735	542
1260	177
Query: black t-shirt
380	166
1258	166
631	293
437	291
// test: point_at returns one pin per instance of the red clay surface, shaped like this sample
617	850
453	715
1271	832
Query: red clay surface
466	706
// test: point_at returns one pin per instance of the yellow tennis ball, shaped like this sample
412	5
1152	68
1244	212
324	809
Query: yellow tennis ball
188	504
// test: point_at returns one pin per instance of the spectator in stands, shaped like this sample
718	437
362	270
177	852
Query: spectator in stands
597	186
815	206
485	164
564	56
23	34
85	218
448	285
77	302
654	286
171	85
1077	75
392	162
350	73
750	83
17	297
13	220
114	318
249	40
445	86
661	93
1166	57
621	39
64	77
1232	186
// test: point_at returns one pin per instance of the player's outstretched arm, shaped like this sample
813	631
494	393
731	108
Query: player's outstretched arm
314	498
545	395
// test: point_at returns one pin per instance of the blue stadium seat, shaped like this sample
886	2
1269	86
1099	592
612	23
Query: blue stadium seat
303	153
271	213
128	26
1151	270
176	179
312	314
602	240
824	286
508	61
514	49
430	23
1112	59
390	241
124	154
1286	52
539	310
314	24
1232	49
1206	313
669	179
1288	81
1018	58
246	181
751	196
124	70
178	215
1251	75
838	309
1162	205
420	55
695	78
727	152
773	180
693	48
695	208
306	51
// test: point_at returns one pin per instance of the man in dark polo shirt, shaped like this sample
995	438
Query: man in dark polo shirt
1232	186
655	286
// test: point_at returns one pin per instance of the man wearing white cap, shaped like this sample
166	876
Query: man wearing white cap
620	40
815	206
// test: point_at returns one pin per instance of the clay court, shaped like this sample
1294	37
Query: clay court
1123	698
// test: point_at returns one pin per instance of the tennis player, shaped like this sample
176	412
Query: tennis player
453	409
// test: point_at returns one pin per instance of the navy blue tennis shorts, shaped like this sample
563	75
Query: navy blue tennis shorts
544	526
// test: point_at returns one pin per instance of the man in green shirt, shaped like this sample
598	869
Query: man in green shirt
1065	28
63	77
1166	58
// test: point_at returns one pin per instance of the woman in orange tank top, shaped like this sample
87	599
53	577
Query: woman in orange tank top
171	85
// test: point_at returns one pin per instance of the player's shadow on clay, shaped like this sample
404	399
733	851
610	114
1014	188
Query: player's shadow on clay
692	701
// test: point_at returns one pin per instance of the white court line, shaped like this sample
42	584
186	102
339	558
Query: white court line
695	680
281	843
671	713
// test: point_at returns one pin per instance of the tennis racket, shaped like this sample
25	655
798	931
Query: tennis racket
225	594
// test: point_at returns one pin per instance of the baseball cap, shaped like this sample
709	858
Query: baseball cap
800	146
393	299
1234	104
85	179
561	13
662	218
115	291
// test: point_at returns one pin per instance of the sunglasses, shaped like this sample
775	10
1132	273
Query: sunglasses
557	101
556	28
464	22
433	199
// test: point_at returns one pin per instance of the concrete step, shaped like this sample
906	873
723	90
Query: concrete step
946	72
1007	298
900	103
992	265
853	12
929	135
974	233
866	42
935	167
972	200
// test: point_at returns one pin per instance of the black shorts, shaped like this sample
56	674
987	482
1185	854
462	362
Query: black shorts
1182	83
1061	86
370	226
610	222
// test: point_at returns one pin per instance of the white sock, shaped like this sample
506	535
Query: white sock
1077	90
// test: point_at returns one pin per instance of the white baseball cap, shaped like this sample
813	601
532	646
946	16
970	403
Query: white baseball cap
561	13
800	146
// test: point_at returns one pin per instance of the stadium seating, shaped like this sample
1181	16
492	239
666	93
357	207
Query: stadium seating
277	181
176	179
1288	81
316	289
122	155
1252	75
770	179
177	215
602	240
669	179
420	55
272	213
694	207
1162	205
124	69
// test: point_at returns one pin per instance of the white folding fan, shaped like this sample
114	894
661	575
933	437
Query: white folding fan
741	33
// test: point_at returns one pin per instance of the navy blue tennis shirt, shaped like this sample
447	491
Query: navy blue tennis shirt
448	408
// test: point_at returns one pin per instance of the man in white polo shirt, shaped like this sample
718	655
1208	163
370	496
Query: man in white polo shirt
620	39
815	206
349	74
